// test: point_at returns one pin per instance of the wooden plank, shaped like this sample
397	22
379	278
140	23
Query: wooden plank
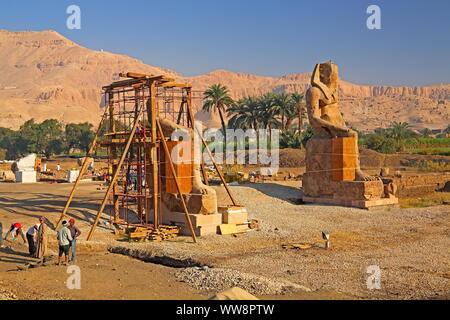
175	84
138	235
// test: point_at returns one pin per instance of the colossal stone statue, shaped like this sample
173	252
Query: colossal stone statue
333	174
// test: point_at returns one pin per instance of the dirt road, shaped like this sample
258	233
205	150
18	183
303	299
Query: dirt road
409	245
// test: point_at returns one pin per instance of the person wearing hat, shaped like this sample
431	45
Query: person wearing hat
64	239
75	233
15	230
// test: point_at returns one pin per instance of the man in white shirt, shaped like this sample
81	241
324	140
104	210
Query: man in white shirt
31	238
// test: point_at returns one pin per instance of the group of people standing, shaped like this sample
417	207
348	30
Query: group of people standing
36	236
67	241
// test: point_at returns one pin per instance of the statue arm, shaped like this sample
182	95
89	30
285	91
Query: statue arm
315	115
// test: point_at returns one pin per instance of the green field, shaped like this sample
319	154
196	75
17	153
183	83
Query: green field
443	151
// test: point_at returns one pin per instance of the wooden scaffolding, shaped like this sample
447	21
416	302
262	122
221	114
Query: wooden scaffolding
131	131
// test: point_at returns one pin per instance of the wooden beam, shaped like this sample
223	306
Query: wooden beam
192	120
175	84
115	175
177	184
83	168
218	170
135	75
154	152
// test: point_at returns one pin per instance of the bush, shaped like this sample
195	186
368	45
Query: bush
380	143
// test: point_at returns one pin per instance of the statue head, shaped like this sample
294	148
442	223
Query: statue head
326	74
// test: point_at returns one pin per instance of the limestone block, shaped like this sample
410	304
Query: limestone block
233	214
197	220
26	176
344	159
196	203
358	190
72	175
199	231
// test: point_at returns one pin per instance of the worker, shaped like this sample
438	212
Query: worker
15	230
31	237
58	167
64	238
41	239
75	233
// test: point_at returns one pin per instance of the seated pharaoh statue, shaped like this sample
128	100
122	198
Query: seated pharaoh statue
200	198
333	174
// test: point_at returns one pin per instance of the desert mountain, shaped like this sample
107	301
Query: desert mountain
45	75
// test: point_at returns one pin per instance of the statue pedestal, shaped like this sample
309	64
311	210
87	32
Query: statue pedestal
331	172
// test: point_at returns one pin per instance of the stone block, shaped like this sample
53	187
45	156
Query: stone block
199	231
196	219
234	214
72	175
343	159
26	176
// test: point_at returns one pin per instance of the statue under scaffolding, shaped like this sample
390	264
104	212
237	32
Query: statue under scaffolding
147	188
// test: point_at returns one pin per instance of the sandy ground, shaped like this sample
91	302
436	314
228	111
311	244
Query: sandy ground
409	245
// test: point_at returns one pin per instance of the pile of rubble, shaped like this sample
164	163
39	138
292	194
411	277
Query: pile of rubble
218	279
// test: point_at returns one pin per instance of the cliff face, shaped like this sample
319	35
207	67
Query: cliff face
45	75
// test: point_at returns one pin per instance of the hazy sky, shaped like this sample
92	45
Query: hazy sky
265	37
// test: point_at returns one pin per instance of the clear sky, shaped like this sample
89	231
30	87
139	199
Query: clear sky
265	37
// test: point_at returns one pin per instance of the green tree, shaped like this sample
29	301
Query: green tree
50	137
269	112
282	106
244	114
425	132
29	134
78	135
290	139
217	99
297	99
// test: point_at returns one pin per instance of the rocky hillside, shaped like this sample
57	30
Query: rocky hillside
45	75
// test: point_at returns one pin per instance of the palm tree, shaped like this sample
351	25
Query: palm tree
297	98
269	112
283	103
217	99
425	132
400	130
244	114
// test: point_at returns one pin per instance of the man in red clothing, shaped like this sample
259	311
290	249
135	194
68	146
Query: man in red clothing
16	229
